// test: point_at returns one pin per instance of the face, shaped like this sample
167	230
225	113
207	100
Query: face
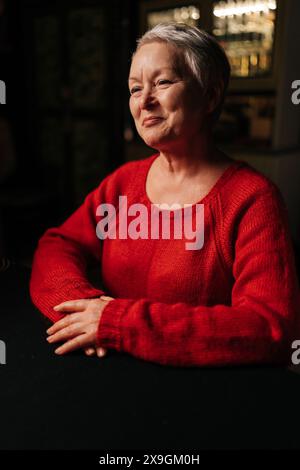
165	101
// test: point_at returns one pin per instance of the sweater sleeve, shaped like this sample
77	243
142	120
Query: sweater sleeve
258	325
62	256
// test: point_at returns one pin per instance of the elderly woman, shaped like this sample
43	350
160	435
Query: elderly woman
234	297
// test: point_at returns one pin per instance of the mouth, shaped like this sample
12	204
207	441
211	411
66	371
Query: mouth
151	121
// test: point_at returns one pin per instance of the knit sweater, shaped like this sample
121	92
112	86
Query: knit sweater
234	301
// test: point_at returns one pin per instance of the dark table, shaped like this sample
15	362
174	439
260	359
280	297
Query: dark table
79	402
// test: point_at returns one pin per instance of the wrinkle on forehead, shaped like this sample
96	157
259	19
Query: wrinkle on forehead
155	72
176	62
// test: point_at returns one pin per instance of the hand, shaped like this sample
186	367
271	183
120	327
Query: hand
101	352
79	328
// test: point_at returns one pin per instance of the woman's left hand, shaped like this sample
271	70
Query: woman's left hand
78	329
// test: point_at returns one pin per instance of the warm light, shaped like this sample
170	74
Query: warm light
184	13
195	15
246	8
253	60
189	15
272	4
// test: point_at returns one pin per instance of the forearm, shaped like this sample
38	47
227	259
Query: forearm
59	274
185	335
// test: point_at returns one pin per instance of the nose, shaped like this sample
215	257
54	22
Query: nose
147	98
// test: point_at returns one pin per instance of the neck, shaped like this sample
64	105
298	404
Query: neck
190	158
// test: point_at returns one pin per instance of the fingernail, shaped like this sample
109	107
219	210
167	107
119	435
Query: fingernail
56	307
100	352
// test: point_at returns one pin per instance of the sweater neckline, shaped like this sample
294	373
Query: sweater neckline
211	193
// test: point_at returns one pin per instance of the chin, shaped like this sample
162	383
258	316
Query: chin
151	142
154	141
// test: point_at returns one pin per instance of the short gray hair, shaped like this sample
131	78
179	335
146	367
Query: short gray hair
203	56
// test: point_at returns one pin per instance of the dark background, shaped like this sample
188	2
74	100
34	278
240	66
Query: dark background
65	66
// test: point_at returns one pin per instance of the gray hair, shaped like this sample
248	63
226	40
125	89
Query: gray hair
204	57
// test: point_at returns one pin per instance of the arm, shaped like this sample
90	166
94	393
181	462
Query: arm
63	253
257	327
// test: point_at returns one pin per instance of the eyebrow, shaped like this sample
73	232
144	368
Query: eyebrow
156	72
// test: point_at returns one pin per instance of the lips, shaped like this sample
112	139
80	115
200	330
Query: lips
151	120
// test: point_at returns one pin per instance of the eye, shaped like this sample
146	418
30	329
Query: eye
163	82
134	90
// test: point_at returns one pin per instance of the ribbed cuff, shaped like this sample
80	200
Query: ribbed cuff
109	334
74	292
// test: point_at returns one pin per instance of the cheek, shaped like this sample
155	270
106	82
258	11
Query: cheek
133	108
176	104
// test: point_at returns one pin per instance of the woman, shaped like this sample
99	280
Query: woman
234	299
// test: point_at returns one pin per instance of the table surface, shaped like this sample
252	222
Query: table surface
119	402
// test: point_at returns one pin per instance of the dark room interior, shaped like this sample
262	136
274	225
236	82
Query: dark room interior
65	126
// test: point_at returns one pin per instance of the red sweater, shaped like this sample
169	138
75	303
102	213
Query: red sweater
234	301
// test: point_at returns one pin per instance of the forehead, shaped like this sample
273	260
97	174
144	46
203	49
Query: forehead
155	57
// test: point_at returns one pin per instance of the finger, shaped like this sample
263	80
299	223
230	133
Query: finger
101	352
90	351
106	297
79	342
72	305
64	334
64	322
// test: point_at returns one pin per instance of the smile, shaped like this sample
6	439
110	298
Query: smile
151	122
